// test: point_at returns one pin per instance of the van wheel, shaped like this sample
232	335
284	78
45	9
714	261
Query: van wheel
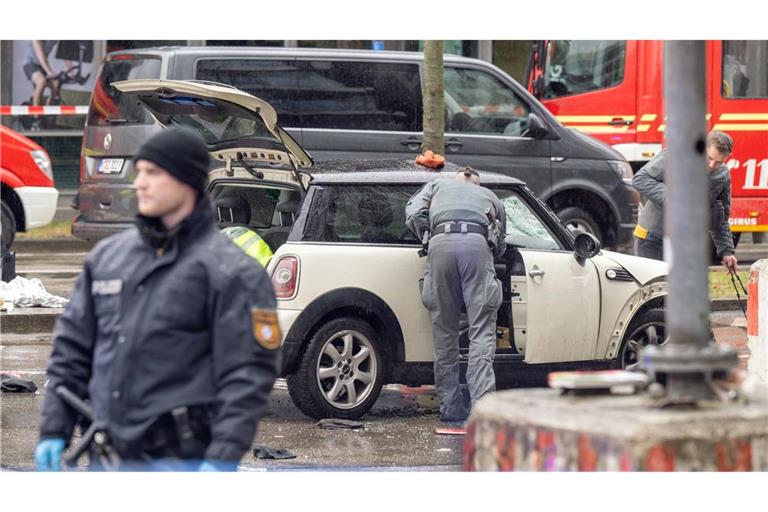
9	226
646	329
579	220
341	371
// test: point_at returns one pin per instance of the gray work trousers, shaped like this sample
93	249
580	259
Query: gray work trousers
460	273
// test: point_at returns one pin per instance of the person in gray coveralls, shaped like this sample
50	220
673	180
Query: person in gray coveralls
459	275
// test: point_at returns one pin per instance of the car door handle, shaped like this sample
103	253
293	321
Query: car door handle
620	121
454	143
536	273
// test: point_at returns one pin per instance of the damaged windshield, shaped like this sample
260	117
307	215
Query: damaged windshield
524	228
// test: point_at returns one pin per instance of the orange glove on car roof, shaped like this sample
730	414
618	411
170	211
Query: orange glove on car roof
431	160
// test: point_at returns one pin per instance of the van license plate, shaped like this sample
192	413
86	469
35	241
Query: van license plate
110	166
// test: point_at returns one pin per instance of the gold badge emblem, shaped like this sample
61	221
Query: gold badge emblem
266	328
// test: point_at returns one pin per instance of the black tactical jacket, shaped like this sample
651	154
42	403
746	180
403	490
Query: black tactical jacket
649	181
158	321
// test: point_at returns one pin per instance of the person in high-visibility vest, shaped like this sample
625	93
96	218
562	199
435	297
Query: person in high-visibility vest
235	214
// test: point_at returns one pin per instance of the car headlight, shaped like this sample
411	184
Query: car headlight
622	169
43	162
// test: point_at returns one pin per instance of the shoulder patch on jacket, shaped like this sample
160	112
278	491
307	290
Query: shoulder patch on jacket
266	328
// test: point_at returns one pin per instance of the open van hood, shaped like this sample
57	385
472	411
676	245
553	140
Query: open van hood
224	116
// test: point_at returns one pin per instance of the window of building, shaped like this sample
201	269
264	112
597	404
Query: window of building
574	67
745	69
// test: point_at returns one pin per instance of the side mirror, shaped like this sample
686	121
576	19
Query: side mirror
535	127
586	246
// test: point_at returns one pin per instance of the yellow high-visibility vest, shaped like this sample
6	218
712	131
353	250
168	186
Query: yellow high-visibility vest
250	242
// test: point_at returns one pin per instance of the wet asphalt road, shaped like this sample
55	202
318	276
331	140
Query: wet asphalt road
397	434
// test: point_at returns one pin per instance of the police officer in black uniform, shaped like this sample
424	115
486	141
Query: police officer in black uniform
171	332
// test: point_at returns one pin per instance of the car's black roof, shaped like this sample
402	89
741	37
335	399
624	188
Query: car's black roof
375	171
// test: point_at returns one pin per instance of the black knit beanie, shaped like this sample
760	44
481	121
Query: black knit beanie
181	152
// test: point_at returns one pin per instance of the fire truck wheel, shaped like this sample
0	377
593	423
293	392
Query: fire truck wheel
579	220
9	226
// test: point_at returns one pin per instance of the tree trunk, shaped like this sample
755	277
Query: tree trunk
434	98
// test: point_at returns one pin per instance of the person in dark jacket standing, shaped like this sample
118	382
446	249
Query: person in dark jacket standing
460	274
171	332
649	181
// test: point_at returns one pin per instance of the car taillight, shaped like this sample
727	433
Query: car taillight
285	277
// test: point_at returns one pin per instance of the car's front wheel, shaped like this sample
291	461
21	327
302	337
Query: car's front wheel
341	371
646	329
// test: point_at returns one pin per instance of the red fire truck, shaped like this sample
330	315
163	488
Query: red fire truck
613	91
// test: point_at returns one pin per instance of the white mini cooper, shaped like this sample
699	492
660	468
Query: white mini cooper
346	269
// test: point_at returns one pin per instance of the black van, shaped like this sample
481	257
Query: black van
341	104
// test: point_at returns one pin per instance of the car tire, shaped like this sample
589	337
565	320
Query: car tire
647	328
578	219
340	372
8	226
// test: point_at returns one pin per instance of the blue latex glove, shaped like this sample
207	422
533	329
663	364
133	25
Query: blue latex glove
217	465
48	454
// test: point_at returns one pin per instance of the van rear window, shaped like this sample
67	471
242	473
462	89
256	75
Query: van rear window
108	105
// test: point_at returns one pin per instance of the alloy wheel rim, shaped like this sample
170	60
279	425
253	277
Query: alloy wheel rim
650	334
576	225
346	369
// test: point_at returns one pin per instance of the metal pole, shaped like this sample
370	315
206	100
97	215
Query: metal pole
687	204
690	358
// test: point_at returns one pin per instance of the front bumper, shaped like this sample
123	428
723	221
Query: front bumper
39	205
628	204
748	214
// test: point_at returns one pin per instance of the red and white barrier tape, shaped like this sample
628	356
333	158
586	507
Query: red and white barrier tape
47	110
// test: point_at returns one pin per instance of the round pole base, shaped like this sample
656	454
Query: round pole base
688	370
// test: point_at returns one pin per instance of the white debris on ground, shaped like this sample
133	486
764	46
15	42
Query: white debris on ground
27	293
